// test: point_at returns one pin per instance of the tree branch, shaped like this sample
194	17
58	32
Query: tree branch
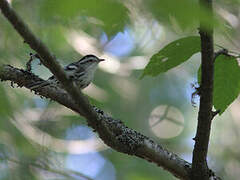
47	59
113	132
200	169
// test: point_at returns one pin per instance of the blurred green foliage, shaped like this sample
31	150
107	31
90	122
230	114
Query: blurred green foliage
165	10
110	15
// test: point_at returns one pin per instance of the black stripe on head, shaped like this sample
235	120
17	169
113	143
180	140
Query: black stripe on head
88	58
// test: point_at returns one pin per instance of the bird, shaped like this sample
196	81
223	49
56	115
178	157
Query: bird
81	73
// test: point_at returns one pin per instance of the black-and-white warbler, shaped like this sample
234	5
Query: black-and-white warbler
80	72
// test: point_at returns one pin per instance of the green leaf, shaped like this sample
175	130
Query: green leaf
172	55
226	82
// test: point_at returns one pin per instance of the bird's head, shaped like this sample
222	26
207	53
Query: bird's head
89	61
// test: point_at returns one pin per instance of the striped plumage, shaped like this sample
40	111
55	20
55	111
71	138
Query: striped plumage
80	72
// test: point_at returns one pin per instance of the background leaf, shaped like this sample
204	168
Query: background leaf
226	82
110	15
173	12
172	55
164	10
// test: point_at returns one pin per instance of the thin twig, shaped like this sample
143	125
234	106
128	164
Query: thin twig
220	52
29	62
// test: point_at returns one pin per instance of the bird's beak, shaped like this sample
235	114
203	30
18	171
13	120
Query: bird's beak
101	60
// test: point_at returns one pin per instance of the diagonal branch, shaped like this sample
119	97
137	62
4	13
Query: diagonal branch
113	132
47	59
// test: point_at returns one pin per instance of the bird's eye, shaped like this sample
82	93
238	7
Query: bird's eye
92	60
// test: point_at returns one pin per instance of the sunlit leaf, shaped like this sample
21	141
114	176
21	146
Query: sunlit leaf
172	55
226	82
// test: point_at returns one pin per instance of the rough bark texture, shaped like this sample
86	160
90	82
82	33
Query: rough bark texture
200	169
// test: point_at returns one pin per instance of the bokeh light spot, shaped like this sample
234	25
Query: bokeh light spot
166	121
